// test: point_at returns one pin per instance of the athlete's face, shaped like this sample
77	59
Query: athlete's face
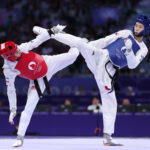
18	53
138	28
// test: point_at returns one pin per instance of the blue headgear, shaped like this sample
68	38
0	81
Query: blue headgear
145	20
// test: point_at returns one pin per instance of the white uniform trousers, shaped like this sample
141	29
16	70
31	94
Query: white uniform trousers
55	63
96	60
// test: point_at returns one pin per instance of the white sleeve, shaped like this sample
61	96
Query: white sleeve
90	108
134	60
103	42
11	91
25	47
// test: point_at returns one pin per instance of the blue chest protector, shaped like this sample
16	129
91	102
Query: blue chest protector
116	49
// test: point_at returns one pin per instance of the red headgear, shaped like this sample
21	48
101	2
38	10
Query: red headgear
7	50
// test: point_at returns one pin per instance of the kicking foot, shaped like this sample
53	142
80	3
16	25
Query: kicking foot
58	29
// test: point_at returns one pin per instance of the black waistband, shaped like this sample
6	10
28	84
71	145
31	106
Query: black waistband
114	76
38	87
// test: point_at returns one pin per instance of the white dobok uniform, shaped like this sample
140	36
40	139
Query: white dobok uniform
54	64
97	54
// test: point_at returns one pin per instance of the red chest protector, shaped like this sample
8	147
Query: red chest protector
31	66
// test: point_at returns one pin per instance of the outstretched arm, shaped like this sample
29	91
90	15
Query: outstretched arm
11	92
104	42
42	36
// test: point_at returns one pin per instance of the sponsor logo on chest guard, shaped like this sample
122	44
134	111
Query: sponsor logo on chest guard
123	49
36	67
32	65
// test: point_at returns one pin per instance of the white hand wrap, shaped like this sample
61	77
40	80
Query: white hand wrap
12	114
128	44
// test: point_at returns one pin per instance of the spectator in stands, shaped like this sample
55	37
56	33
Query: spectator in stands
126	101
126	106
142	72
80	91
67	106
2	108
94	92
130	91
1	103
144	108
96	107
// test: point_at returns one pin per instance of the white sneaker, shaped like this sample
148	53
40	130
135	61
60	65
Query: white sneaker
58	29
39	30
18	142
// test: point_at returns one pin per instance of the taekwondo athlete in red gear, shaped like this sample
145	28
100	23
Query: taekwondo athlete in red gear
106	55
19	60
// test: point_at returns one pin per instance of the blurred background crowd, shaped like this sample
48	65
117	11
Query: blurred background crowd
92	19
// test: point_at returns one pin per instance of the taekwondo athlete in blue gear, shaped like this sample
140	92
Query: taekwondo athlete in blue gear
145	21
124	48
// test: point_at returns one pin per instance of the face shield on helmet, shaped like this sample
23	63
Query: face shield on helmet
7	51
145	20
